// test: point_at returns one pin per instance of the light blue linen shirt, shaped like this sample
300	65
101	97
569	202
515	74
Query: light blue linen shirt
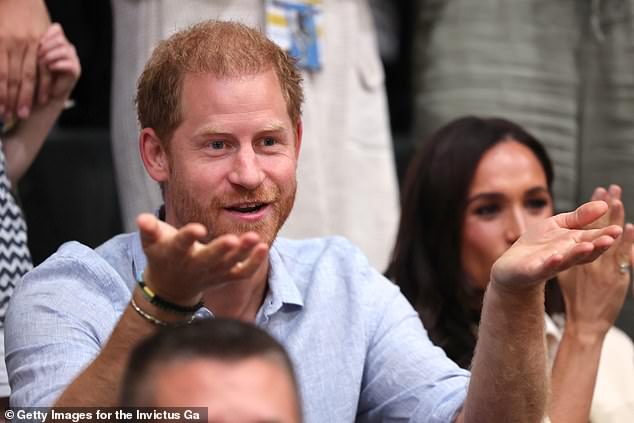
359	349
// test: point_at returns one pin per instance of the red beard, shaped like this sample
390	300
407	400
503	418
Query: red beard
187	209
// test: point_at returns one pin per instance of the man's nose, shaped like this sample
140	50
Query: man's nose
246	170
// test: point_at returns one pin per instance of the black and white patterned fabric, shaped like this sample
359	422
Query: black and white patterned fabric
15	259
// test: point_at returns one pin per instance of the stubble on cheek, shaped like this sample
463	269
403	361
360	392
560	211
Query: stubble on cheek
188	207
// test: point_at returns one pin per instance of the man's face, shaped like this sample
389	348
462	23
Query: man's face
233	158
253	390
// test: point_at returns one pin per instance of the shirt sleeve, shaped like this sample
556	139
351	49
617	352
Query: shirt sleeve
59	318
406	377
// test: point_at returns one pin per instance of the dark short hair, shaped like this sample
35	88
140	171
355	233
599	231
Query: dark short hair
217	339
426	261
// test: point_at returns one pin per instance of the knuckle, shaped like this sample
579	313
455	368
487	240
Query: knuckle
31	37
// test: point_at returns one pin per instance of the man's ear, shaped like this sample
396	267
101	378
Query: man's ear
154	155
299	131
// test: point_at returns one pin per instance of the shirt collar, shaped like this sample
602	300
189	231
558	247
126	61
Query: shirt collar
281	282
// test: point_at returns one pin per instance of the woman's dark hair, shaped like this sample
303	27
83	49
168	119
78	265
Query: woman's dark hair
426	262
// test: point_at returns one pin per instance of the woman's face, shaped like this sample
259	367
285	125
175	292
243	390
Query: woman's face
508	193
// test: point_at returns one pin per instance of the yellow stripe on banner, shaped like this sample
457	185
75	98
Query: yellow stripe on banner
277	20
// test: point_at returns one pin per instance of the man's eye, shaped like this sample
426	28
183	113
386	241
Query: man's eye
268	142
217	145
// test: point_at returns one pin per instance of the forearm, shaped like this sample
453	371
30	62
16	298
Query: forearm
23	143
509	378
100	383
574	376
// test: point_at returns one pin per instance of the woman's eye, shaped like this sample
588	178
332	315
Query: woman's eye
536	203
486	210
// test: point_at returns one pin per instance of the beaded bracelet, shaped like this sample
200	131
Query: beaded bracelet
153	298
154	320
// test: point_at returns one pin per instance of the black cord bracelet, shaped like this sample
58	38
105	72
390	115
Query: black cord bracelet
153	298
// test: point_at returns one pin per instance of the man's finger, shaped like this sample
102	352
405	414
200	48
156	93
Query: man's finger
585	252
219	247
187	235
247	242
27	82
582	216
600	194
558	262
148	226
599	235
257	255
601	246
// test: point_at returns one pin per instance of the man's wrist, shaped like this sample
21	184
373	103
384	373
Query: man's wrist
512	290
179	299
516	300
165	304
157	313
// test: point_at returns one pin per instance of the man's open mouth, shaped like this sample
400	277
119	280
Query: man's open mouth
247	208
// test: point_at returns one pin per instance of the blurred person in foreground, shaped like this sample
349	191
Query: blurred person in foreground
220	108
235	370
470	193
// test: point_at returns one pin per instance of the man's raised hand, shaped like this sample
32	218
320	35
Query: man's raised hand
181	265
554	245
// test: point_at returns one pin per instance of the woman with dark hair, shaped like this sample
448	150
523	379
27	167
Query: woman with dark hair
468	195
